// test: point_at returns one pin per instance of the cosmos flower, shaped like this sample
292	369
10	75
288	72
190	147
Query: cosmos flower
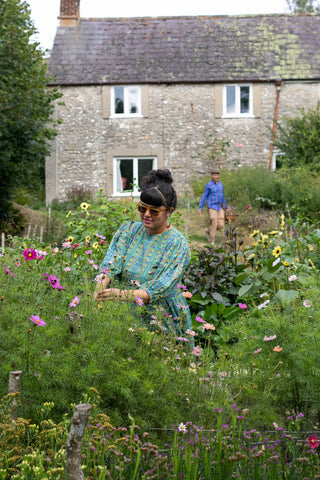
268	339
74	302
29	254
200	320
243	306
187	294
313	441
292	278
208	326
263	305
55	282
277	349
276	262
197	351
37	320
139	301
307	303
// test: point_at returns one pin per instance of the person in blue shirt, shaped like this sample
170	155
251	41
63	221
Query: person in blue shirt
214	196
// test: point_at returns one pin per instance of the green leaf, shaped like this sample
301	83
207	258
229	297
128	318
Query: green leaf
286	296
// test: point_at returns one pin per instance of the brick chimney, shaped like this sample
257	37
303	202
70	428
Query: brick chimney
69	13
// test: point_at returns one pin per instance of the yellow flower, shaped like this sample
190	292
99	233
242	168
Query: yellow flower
70	223
286	264
88	238
255	233
84	206
96	245
276	252
75	255
274	232
282	221
251	256
69	239
263	238
311	263
68	214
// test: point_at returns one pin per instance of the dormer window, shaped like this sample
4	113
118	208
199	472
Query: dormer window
126	101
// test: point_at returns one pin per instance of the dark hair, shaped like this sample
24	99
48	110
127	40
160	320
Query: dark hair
157	189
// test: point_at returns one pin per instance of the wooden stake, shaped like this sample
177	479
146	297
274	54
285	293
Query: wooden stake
74	441
2	241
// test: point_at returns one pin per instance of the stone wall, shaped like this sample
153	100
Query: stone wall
178	125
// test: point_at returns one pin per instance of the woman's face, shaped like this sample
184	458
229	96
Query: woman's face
154	223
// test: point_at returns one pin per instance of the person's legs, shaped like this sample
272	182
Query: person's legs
220	221
214	215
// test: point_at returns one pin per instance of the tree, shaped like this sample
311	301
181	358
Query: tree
299	138
303	6
26	104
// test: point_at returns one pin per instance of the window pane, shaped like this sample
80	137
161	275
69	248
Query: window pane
118	100
144	166
133	100
244	99
126	169
231	98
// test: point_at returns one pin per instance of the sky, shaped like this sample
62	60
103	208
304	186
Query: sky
44	13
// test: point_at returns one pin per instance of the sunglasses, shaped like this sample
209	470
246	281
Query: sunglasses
154	212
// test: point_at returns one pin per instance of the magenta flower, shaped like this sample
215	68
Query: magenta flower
55	282
243	306
183	287
8	271
37	320
29	254
139	301
200	320
248	207
74	302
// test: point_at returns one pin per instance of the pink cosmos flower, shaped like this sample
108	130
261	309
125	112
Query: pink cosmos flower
88	252
243	306
258	351
292	278
208	326
277	349
183	287
37	320
268	339
8	271
200	320
74	302
29	254
192	333
197	351
55	282
187	294
139	301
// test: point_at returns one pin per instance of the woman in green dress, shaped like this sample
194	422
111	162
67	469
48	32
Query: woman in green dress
149	258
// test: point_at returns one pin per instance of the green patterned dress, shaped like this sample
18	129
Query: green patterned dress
154	263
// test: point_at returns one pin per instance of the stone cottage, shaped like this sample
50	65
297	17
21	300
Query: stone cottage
142	93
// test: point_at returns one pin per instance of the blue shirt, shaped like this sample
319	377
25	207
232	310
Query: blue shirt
214	196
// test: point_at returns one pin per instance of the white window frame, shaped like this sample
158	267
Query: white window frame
237	113
126	113
136	191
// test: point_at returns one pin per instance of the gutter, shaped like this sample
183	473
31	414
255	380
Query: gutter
275	119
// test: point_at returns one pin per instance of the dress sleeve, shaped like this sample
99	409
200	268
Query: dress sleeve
169	271
116	254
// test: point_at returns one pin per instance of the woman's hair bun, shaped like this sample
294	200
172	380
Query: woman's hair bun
158	176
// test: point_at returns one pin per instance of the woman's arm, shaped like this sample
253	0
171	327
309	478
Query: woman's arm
122	295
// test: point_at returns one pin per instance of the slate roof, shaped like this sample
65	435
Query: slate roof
187	49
